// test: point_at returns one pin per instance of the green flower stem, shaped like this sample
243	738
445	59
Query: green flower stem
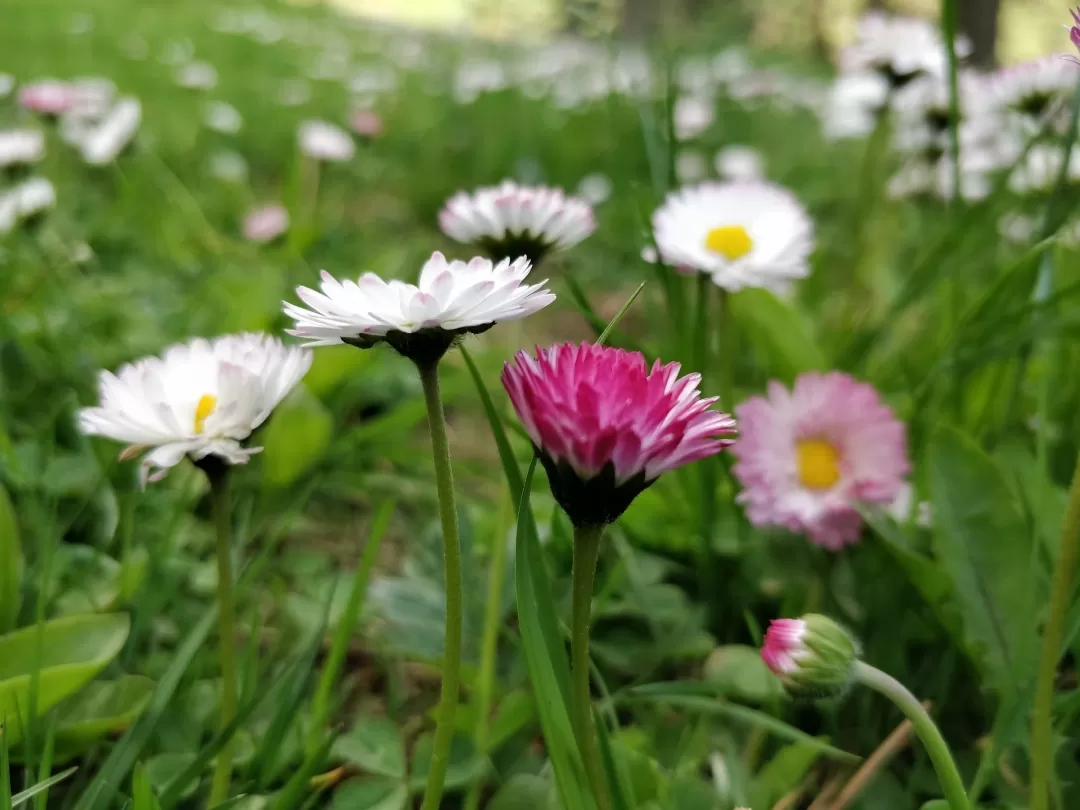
219	500
586	552
727	354
935	744
444	483
1042	746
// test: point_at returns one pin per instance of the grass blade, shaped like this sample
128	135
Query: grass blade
41	788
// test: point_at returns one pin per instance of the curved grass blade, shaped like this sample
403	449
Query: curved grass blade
40	787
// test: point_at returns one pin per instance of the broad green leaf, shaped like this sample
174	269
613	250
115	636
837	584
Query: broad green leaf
11	563
693	793
142	791
779	331
163	769
296	438
103	707
984	544
374	745
738	672
122	757
371	793
72	651
782	773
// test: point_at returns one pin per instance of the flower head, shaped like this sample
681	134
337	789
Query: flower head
743	234
266	223
899	48
321	140
19	146
366	123
807	458
418	320
47	97
103	143
812	655
200	398
606	426
739	163
1034	88
509	220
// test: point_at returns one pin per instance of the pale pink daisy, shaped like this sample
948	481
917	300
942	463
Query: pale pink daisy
807	458
266	223
606	426
48	97
366	123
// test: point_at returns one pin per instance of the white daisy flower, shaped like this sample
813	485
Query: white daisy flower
1033	88
223	117
1039	169
32	197
899	48
509	220
19	146
690	166
200	398
691	116
450	298
739	163
321	140
104	143
851	105
743	234
197	76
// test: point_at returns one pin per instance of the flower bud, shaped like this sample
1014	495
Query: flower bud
813	655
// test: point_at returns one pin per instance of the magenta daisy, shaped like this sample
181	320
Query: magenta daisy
812	655
807	458
1074	29
784	645
605	426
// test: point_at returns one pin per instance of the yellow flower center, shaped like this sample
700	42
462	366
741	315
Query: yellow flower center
730	241
207	403
818	463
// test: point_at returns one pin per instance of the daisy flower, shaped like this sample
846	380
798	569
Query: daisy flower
366	123
47	97
1033	88
19	146
606	426
898	48
739	163
509	220
807	458
743	234
198	399
691	116
104	143
266	223
813	654
321	140
419	320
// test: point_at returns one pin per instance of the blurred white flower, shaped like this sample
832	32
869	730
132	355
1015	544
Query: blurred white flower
594	188
1039	170
294	92
197	76
1033	88
739	163
690	166
221	116
92	97
32	197
81	253
921	178
110	137
692	116
730	65
899	48
373	81
228	166
7	84
449	297
743	234
478	76
321	140
511	220
19	146
266	223
9	212
1016	227
851	106
197	399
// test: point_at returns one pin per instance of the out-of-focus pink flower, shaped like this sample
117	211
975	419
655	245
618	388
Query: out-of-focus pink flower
48	97
266	223
606	426
366	123
1074	30
784	645
808	457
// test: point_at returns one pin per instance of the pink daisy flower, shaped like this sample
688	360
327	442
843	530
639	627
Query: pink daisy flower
812	655
266	223
606	426
807	457
48	97
366	123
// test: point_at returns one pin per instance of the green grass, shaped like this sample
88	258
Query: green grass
922	300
